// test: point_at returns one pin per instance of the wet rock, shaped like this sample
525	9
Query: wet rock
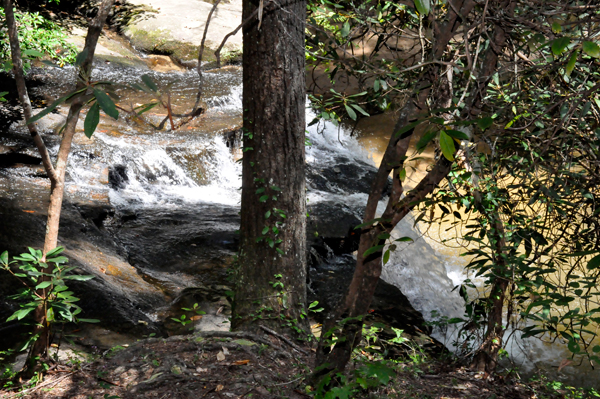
118	295
342	176
329	282
187	246
13	158
169	32
330	230
117	177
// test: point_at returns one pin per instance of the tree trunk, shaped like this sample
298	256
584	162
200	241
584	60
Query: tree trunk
56	174
368	269
17	61
271	279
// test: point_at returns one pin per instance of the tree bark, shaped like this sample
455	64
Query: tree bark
56	174
271	278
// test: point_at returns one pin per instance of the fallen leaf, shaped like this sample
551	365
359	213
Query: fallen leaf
219	388
201	370
225	350
28	211
564	363
241	362
220	356
196	317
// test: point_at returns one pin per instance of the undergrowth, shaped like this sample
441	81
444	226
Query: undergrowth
37	33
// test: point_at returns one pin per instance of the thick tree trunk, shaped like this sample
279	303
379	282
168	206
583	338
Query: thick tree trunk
271	280
56	174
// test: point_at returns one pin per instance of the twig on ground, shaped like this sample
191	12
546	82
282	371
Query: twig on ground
287	382
284	339
109	382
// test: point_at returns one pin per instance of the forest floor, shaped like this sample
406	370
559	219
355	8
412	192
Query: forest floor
241	365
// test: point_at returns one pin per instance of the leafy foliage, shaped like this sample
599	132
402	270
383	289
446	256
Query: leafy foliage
523	190
45	287
37	34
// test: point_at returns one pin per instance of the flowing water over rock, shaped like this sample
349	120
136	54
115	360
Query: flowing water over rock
153	213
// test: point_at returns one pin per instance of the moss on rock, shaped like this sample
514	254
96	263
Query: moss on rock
184	53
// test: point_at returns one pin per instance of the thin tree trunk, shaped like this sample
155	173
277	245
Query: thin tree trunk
17	61
56	174
486	356
368	269
271	280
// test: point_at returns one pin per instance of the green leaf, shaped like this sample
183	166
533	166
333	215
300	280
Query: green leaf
265	231
594	263
571	64
47	110
106	103
26	257
148	82
556	28
485	123
592	49
54	252
267	214
402	174
91	120
89	320
457	134
81	57
350	112
559	45
32	53
408	127
20	314
425	139
359	109
386	256
404	239
447	146
345	31
4	258
423	6
146	108
263	198
376	85
376	248
43	284
58	260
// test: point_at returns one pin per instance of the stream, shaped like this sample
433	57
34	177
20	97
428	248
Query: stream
153	214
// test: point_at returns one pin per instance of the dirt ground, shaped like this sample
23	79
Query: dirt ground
242	365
